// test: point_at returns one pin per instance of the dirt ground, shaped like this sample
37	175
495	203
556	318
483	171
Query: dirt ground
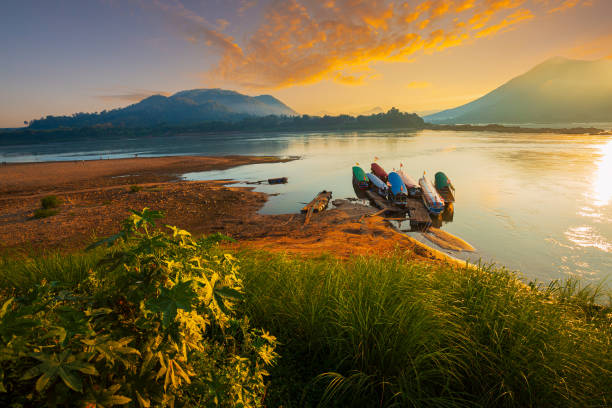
95	200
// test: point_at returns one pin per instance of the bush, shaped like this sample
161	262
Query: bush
44	213
50	201
154	324
135	188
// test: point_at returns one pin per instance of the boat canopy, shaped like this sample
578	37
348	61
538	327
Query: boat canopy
442	181
397	185
379	172
408	181
359	174
377	182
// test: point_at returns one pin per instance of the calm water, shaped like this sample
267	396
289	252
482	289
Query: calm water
541	204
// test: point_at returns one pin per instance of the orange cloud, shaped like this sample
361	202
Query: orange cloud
507	23
305	41
418	84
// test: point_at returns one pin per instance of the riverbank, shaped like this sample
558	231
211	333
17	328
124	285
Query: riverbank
97	195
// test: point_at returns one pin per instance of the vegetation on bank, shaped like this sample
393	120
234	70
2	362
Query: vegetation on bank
393	119
125	320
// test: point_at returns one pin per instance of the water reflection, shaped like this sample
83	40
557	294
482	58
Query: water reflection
603	177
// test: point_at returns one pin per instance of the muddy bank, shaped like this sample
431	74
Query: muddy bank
46	177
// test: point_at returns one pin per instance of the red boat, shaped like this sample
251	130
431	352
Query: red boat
379	172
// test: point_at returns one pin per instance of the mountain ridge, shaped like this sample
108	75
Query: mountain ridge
182	108
558	90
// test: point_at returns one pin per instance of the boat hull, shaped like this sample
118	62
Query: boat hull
399	192
432	200
445	187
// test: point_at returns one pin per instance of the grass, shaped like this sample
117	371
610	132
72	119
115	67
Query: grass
45	212
387	332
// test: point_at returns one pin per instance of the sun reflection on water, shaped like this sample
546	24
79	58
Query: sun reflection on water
603	177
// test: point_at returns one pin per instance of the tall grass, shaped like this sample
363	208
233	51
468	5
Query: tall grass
385	332
388	332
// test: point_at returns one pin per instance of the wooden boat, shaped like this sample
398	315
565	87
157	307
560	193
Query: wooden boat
279	180
379	172
378	185
431	198
413	188
319	203
399	192
445	187
360	178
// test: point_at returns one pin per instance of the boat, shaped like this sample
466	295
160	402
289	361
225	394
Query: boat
279	180
379	172
399	192
413	188
378	185
360	178
433	202
445	187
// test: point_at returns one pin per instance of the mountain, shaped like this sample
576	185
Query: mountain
560	90
182	108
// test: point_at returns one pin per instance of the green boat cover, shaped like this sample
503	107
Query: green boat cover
359	174
442	181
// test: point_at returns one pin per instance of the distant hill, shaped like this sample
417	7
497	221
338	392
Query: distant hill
182	108
560	90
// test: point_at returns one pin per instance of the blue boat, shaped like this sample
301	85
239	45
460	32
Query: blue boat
378	185
399	192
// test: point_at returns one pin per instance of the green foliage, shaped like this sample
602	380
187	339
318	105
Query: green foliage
135	188
50	201
389	332
44	213
154	323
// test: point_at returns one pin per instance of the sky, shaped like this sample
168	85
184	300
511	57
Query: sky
326	56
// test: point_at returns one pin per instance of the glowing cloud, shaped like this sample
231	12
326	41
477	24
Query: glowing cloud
306	41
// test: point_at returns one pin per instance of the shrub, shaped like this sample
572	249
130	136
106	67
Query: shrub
135	188
50	201
45	212
154	324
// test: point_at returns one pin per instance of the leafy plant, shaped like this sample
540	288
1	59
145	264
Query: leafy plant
155	324
50	201
135	188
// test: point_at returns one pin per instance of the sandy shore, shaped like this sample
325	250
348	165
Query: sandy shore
97	195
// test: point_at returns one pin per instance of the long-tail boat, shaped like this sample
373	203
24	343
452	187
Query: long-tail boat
431	198
379	172
360	178
445	187
412	186
381	188
399	192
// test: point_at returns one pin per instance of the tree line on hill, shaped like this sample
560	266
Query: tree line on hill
392	119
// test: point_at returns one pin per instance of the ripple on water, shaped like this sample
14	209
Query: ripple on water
584	236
